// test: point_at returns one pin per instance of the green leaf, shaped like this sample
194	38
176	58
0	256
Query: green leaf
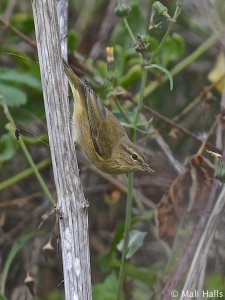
8	147
164	70
13	95
14	76
136	239
105	261
145	275
107	289
23	61
172	49
132	75
72	40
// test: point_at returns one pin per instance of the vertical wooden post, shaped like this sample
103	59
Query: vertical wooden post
71	202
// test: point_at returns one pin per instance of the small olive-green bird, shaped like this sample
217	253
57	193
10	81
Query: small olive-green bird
99	134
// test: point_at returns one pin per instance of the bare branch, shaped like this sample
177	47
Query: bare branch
71	205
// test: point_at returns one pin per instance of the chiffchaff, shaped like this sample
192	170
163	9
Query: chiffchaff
99	134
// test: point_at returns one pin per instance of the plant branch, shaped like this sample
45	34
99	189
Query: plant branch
126	233
131	175
51	35
178	126
129	30
168	31
197	100
140	101
130	188
24	174
19	33
182	65
120	108
28	156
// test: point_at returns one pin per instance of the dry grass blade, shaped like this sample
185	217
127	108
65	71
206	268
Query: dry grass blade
204	244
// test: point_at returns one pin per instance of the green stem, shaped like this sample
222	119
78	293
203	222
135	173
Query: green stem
129	30
126	233
133	137
37	140
131	175
28	156
123	113
169	29
36	172
140	102
182	65
130	185
24	174
195	55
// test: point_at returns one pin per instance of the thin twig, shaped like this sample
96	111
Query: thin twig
7	16
19	202
19	33
179	127
23	174
197	100
9	236
177	166
210	132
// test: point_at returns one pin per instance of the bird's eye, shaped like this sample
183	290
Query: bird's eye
134	156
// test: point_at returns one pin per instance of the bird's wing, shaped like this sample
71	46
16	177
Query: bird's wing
104	127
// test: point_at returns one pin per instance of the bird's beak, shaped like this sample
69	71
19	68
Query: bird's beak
148	169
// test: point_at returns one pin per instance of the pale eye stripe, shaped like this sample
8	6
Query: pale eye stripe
127	150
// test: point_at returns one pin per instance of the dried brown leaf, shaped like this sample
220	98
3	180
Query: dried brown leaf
188	191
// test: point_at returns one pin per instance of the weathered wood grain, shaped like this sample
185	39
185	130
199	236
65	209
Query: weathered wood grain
71	202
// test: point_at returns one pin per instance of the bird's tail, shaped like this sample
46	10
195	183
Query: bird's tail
74	80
